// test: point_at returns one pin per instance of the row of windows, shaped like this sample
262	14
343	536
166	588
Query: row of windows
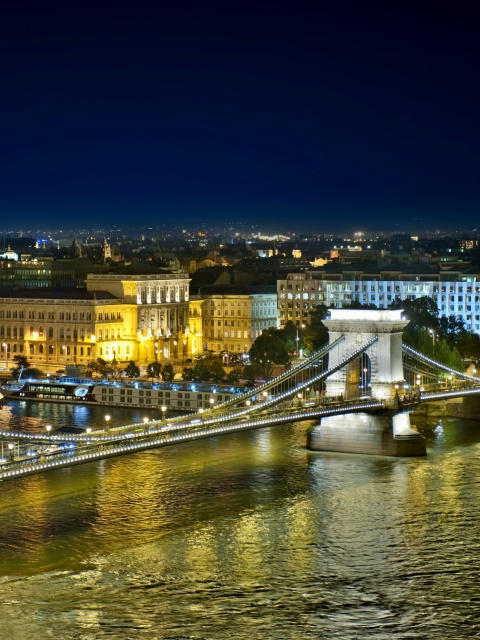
108	316
50	315
63	333
226	334
164	394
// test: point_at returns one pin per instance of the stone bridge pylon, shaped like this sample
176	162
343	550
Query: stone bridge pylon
377	372
381	367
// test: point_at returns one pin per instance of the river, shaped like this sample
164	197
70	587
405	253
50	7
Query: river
242	536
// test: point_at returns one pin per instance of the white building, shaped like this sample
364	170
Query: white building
455	293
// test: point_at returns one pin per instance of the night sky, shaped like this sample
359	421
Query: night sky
304	116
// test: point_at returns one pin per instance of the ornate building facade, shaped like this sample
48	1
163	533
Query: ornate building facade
119	317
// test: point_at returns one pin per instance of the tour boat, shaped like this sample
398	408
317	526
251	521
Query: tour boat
180	396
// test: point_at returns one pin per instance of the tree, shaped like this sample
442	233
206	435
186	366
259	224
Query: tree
316	333
131	370
233	376
154	370
98	366
217	372
21	362
269	350
168	372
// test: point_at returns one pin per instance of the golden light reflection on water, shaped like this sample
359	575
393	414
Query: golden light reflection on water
174	542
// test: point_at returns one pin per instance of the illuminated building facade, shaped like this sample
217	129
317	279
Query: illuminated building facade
455	293
158	308
58	328
233	317
121	318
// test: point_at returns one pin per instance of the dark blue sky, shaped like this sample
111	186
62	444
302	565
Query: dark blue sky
306	115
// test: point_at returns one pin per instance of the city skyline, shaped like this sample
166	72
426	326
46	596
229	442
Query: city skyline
312	119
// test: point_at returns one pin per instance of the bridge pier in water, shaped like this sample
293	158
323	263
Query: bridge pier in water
388	434
379	373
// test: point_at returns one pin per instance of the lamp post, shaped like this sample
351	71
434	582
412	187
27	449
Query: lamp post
212	402
48	428
145	423
164	409
107	420
184	349
298	338
434	337
5	346
418	380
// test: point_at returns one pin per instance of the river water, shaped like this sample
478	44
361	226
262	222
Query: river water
242	536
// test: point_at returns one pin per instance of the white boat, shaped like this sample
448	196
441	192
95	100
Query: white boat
181	396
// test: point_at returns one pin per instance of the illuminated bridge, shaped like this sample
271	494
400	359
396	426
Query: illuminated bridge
356	393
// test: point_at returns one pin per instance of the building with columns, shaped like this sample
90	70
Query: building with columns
159	303
118	317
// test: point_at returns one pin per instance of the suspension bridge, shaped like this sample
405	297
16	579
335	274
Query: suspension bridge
356	393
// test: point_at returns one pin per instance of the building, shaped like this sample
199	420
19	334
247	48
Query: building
455	292
57	328
118	317
234	316
158	304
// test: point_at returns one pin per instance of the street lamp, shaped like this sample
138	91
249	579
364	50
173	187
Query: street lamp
184	349
107	420
48	428
5	346
297	338
212	402
164	408
434	337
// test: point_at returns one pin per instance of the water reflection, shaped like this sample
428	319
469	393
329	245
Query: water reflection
248	533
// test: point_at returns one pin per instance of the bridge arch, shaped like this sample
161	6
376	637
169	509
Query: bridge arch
383	359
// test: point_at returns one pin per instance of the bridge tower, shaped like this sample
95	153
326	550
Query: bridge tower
377	373
382	366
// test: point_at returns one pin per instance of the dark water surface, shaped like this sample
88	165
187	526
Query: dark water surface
243	536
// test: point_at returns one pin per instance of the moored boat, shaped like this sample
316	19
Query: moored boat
181	396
